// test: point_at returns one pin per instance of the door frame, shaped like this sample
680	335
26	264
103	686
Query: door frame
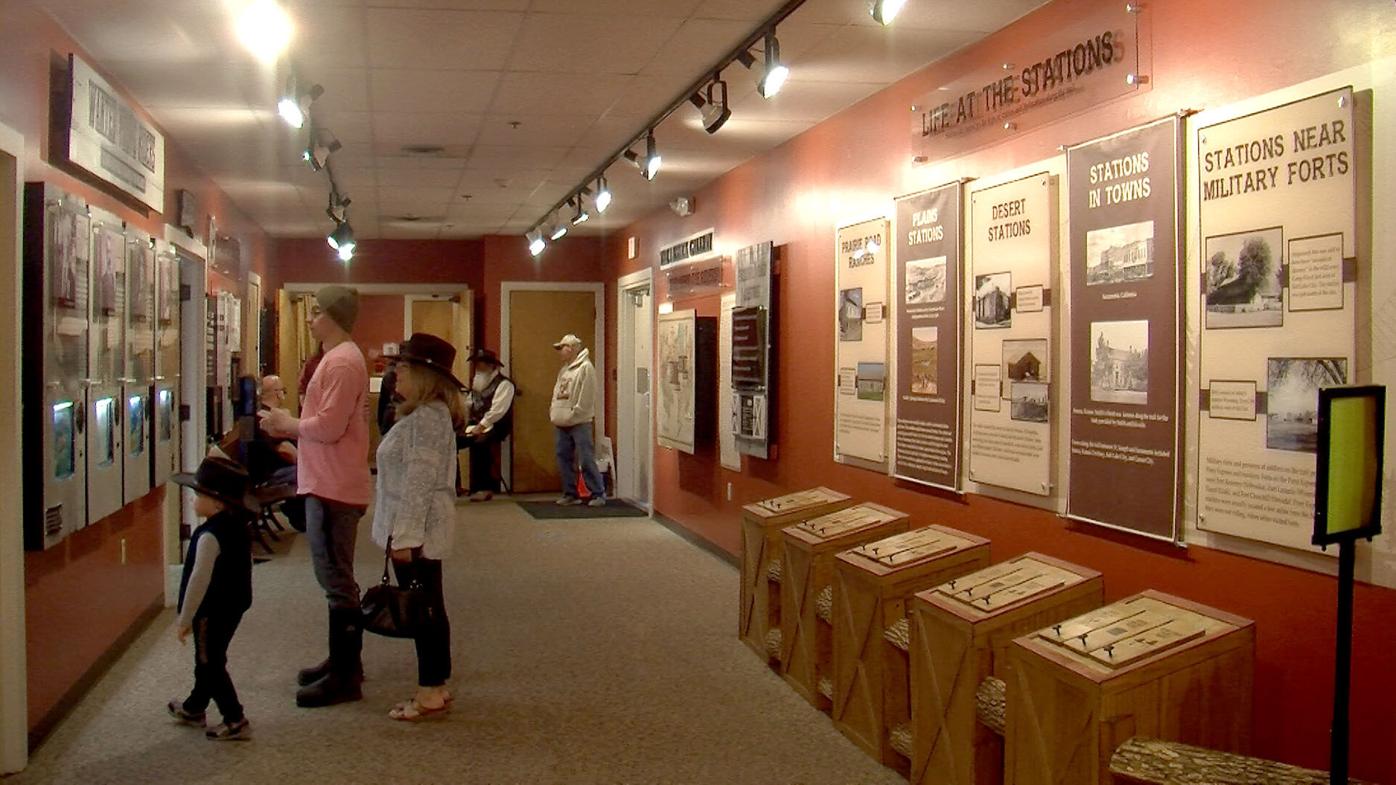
598	353
14	681
625	369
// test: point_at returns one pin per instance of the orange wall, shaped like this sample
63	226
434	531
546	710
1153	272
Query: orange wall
573	259
1203	54
80	597
380	321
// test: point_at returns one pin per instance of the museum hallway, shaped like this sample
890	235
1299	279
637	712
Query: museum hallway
585	651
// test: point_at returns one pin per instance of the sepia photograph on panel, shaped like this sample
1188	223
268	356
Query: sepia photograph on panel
1026	360
851	314
925	281
1242	279
925	354
1029	401
991	300
1291	399
1120	362
1118	254
872	381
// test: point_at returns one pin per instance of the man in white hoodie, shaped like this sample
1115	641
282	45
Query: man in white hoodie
573	409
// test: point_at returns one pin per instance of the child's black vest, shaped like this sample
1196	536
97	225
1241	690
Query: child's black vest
230	589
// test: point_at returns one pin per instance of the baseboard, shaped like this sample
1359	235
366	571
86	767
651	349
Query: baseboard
98	669
694	539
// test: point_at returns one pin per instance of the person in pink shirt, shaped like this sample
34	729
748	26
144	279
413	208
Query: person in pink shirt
334	480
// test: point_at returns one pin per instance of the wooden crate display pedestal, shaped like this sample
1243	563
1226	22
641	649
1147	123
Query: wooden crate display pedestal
1152	665
807	558
759	608
960	632
872	587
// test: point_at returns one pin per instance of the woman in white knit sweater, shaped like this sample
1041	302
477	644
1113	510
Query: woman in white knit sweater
415	503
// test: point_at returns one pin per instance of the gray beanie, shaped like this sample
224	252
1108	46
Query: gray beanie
341	303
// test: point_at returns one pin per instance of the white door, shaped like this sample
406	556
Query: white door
634	445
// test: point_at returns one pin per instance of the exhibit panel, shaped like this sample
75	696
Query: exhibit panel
1278	217
1124	330
687	369
929	273
860	348
105	435
1013	241
752	331
167	366
57	253
138	380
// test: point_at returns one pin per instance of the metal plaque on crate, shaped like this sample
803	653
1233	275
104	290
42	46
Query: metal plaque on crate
107	138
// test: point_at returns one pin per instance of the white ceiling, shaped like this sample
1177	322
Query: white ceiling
525	96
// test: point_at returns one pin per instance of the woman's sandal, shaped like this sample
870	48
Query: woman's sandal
412	711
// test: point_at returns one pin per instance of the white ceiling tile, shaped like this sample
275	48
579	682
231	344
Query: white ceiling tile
508	158
346	126
876	54
461	40
393	157
805	101
418	178
156	84
982	16
460	5
598	44
334	39
400	90
406	231
446	129
559	94
534	130
751	11
697	45
650	92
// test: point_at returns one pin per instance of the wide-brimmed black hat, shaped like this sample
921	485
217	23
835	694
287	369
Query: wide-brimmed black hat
222	479
431	352
486	356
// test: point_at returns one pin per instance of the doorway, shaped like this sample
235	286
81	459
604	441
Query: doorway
634	452
534	316
14	721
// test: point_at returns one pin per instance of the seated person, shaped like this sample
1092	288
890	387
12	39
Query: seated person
272	459
491	418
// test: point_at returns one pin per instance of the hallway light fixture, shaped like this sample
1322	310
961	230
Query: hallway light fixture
295	105
649	165
603	194
535	241
317	154
713	107
582	215
558	228
774	73
884	11
342	240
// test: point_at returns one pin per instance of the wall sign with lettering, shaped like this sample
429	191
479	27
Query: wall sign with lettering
108	139
860	345
1278	215
689	249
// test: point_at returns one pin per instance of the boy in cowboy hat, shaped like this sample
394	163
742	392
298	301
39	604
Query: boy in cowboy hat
214	592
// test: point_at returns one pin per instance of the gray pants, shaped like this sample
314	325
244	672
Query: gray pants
333	528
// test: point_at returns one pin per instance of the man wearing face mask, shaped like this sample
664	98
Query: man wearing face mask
491	401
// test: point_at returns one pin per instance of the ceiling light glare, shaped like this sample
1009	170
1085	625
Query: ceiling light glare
603	195
884	11
776	71
295	105
265	29
535	241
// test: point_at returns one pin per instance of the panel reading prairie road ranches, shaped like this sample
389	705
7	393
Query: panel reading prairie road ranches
927	296
860	345
1012	231
1123	330
1278	216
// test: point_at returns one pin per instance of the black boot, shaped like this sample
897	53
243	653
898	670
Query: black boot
308	676
341	683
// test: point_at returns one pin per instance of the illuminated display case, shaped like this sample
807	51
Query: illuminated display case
106	400
57	253
139	379
165	411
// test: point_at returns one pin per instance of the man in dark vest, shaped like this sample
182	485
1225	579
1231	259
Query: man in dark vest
491	401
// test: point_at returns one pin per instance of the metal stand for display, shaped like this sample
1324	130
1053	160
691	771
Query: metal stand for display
1342	672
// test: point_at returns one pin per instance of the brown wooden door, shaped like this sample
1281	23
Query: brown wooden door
536	320
434	317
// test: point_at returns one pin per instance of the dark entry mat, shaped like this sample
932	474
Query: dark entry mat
548	511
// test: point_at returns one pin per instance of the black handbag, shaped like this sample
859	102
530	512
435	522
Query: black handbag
394	611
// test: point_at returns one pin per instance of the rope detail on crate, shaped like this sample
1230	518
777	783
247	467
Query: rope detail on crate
991	704
899	634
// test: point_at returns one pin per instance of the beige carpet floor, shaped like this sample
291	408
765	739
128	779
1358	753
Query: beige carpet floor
586	651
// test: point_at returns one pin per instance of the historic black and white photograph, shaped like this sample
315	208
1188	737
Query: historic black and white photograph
851	314
925	281
1120	362
1026	360
64	258
991	300
135	425
1291	399
64	445
104	270
925	354
1029	401
872	381
1120	253
1242	273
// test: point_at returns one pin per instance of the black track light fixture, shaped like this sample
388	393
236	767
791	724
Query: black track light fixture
713	106
649	165
295	104
581	216
884	11
774	72
317	153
